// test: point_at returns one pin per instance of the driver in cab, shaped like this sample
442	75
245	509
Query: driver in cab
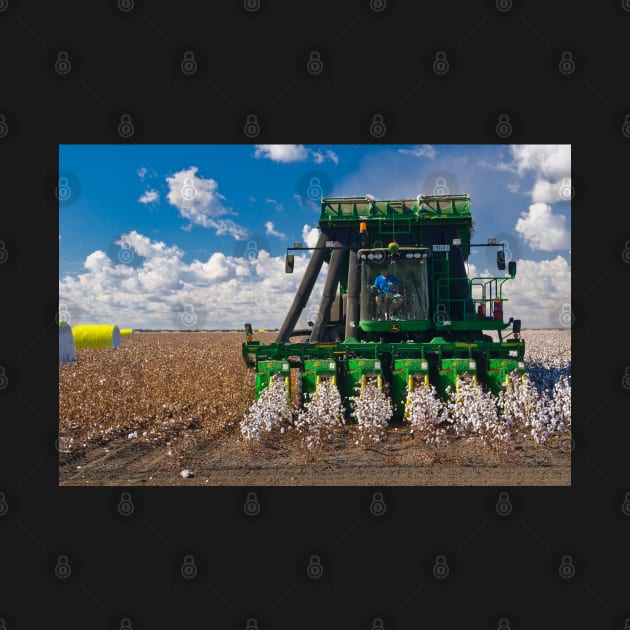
385	290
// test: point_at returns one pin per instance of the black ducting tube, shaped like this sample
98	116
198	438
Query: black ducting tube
337	258
352	307
304	290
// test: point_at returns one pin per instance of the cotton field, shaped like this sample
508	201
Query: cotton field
186	401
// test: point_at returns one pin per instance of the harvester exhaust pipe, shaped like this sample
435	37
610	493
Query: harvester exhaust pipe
352	308
304	290
337	258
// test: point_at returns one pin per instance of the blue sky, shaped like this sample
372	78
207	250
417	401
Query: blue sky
148	230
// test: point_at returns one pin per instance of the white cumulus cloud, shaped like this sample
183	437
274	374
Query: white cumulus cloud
543	230
271	230
198	199
421	150
233	289
551	161
149	196
310	235
281	152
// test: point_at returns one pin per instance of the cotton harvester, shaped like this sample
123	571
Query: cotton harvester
428	329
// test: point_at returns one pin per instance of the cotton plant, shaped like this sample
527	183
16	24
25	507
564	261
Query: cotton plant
542	410
322	413
372	409
427	415
269	413
473	412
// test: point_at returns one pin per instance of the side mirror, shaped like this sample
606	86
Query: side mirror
288	263
516	326
501	259
512	268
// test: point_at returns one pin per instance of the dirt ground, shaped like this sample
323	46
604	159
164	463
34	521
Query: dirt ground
163	388
398	461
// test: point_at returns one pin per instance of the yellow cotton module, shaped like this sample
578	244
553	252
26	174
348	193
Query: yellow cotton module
96	336
126	332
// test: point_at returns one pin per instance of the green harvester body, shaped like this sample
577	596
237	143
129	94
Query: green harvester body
428	330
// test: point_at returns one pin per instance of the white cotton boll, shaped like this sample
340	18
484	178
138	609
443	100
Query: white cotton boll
373	410
269	412
320	415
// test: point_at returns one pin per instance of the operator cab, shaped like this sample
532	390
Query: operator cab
394	285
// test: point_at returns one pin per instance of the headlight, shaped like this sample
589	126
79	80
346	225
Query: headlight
513	353
331	366
377	365
424	365
521	365
472	365
285	367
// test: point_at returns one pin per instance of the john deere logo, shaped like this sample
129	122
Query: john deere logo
395	327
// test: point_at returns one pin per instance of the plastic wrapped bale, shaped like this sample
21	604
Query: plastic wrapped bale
96	336
126	332
67	352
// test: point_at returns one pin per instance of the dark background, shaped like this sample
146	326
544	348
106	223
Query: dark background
375	58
